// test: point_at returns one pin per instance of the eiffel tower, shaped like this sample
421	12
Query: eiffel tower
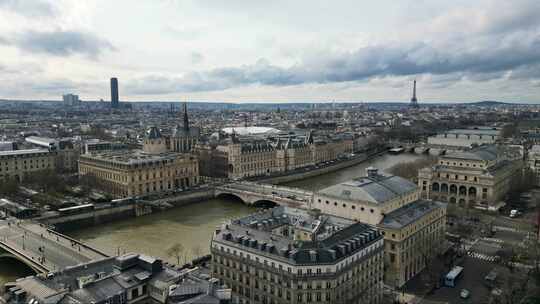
414	101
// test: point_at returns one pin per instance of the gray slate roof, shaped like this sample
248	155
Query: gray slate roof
336	238
375	189
481	153
409	213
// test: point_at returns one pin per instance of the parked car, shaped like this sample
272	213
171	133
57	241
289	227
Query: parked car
464	294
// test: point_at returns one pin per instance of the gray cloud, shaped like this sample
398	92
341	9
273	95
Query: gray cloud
29	8
196	57
59	43
497	40
476	62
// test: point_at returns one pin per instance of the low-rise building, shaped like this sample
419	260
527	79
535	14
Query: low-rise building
480	177
534	163
413	228
287	255
67	151
238	157
130	278
140	172
18	164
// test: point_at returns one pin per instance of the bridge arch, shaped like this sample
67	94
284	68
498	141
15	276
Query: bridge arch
28	268
231	196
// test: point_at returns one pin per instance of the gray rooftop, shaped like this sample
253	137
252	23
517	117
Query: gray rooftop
479	131
488	153
23	152
375	189
132	157
97	281
409	213
333	238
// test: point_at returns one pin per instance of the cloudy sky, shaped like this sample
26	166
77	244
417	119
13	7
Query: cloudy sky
279	50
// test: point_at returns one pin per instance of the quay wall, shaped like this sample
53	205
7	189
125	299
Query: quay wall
187	198
360	158
63	223
87	219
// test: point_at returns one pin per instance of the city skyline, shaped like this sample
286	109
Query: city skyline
245	51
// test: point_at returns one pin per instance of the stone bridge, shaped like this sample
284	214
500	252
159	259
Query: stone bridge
42	249
424	148
259	194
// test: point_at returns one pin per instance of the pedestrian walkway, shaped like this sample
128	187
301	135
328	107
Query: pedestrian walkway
493	240
509	229
481	256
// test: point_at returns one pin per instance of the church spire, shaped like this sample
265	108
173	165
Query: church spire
186	119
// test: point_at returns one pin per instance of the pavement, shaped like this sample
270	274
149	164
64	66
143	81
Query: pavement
472	279
50	250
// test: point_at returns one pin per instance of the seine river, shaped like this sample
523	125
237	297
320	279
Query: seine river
192	225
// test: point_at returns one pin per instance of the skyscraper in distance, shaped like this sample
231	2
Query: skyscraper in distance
114	93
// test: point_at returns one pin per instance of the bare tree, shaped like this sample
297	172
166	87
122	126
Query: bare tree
510	130
175	251
9	186
410	170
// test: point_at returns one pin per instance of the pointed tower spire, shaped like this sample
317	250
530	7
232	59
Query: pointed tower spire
186	119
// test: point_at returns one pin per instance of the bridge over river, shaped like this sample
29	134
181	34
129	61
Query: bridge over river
257	193
42	249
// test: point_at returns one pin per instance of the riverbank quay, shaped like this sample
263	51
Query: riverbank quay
309	172
135	207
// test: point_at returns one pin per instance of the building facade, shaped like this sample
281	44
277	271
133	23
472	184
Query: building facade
239	157
480	177
136	172
286	255
158	167
71	100
67	151
534	163
18	164
413	228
